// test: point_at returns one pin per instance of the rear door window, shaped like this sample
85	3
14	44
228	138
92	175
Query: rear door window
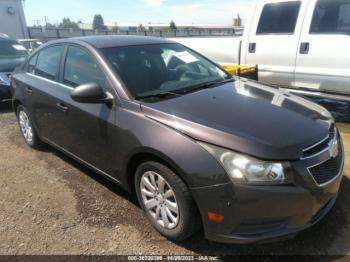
331	16
81	68
279	18
49	62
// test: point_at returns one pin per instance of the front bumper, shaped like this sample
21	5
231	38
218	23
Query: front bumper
254	214
264	213
5	93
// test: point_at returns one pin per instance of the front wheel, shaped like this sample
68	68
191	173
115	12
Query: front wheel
167	201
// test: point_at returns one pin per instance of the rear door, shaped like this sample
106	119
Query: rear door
274	38
323	61
40	85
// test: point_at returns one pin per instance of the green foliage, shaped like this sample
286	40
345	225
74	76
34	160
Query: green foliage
141	28
172	25
67	23
49	25
98	23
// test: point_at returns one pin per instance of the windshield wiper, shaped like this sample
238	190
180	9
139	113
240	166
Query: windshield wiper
160	95
206	85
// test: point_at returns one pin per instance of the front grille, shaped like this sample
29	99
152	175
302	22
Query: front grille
321	146
328	170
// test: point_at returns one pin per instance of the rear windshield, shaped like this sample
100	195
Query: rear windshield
11	49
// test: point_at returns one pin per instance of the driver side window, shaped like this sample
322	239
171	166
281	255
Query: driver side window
81	68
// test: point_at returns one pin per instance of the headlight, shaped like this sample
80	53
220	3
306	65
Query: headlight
243	169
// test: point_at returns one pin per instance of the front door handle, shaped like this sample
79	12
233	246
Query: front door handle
62	107
29	90
252	47
304	48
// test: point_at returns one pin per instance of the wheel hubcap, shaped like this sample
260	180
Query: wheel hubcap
26	127
159	200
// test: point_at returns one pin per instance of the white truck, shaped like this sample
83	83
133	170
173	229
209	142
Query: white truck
303	45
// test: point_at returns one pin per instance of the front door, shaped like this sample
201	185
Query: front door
90	128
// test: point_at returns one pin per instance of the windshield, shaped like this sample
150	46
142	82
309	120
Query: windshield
12	49
162	68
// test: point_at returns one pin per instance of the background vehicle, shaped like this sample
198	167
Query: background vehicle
30	44
301	44
249	162
12	54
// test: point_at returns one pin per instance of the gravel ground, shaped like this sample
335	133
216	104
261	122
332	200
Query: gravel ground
50	204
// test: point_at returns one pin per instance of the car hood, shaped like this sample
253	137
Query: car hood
9	64
246	117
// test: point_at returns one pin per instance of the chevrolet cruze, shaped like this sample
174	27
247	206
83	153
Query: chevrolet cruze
198	147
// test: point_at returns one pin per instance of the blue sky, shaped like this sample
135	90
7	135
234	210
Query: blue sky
220	12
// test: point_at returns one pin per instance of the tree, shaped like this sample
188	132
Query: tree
173	25
49	25
98	23
141	28
67	23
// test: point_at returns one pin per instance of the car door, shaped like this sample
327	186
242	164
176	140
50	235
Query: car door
273	40
323	61
90	133
40	84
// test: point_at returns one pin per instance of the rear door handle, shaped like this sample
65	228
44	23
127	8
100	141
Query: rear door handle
252	47
29	90
62	107
304	48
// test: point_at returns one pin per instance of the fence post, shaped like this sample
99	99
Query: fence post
58	33
83	32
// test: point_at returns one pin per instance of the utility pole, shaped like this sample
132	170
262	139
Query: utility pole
45	20
37	22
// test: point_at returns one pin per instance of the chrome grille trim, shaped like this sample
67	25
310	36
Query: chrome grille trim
333	130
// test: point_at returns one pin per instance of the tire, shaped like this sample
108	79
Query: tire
27	129
182	224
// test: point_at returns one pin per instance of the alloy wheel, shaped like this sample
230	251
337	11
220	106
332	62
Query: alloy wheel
26	127
159	200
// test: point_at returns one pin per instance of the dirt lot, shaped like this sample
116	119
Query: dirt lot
49	204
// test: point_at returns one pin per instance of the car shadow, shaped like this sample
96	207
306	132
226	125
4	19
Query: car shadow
111	186
5	107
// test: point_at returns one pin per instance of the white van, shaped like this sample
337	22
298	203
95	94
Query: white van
303	44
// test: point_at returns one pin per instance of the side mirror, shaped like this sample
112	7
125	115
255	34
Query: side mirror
91	94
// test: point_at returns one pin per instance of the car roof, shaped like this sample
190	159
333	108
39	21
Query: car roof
119	41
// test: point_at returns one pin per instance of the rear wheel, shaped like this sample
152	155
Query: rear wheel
27	129
167	201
